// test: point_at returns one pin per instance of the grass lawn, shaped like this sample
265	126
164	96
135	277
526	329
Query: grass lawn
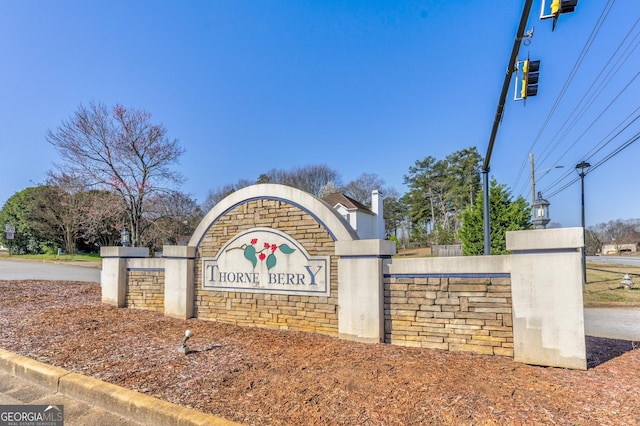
604	284
55	258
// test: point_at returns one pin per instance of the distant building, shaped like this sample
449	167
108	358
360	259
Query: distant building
630	244
367	222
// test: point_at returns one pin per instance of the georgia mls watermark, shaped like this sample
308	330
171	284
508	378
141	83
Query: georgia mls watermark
31	415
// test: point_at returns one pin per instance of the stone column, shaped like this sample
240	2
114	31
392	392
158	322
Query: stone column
546	284
113	278
360	288
179	281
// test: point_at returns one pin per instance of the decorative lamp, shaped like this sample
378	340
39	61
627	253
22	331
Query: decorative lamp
540	212
125	238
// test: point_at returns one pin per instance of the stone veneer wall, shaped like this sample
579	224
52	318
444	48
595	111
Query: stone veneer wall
291	312
450	313
145	290
527	305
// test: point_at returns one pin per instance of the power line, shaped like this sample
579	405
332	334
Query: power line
617	151
621	127
603	143
594	94
598	118
602	80
591	154
594	32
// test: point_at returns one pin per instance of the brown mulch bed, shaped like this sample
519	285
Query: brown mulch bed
258	376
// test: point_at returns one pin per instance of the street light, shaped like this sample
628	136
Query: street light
581	169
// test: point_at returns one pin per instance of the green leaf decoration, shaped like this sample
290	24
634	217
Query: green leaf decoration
286	249
271	261
250	255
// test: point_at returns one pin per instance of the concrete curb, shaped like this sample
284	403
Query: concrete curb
115	399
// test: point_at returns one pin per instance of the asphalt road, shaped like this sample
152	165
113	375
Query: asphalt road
613	323
32	270
616	260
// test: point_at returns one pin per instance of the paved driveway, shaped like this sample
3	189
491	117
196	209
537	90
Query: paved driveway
28	270
616	260
614	323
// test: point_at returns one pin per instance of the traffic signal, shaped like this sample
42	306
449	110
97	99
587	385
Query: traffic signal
557	7
530	74
563	6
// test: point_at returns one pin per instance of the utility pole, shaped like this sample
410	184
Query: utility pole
520	35
533	180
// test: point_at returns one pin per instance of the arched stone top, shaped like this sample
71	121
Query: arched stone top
327	217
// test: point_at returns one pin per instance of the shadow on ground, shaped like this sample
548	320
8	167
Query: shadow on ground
601	350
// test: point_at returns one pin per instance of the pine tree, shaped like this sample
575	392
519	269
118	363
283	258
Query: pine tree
505	215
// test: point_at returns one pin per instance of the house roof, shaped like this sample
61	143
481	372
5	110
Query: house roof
349	203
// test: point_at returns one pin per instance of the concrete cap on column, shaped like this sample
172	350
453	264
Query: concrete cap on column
187	252
545	239
365	248
118	251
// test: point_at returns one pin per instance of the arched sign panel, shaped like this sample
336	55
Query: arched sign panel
266	260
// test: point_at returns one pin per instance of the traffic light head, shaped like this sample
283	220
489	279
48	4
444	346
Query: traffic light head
555	8
531	70
567	6
563	6
530	75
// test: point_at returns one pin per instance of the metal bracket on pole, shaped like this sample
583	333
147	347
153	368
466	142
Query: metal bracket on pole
526	37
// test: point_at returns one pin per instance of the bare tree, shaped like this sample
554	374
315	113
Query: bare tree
104	214
57	212
214	196
120	150
593	243
171	219
617	232
329	188
311	179
360	189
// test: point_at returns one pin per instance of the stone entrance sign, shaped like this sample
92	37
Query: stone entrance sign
276	257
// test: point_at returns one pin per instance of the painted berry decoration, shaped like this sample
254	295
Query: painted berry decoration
253	255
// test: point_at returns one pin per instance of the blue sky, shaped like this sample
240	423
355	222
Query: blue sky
361	86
